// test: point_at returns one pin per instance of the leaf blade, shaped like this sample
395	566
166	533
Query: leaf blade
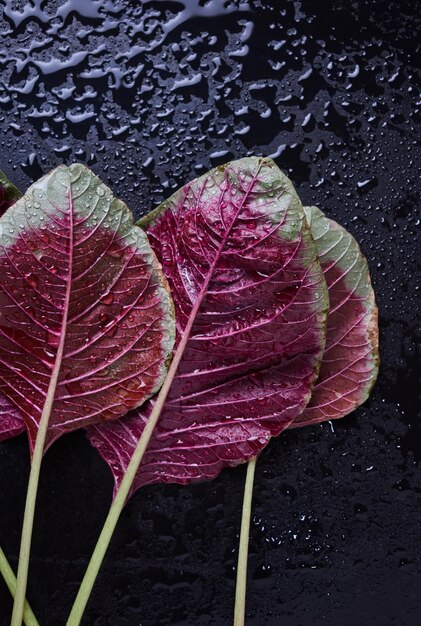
350	363
11	422
256	342
70	249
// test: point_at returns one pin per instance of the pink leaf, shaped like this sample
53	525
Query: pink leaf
234	246
11	422
81	295
351	360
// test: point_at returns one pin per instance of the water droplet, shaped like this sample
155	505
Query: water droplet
32	280
108	298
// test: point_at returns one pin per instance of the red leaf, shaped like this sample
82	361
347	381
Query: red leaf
234	246
11	422
351	359
81	298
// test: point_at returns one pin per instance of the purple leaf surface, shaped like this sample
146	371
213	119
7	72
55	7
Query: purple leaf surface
351	359
82	298
237	252
11	422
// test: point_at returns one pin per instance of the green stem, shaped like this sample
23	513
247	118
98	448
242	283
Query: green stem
31	497
28	518
241	584
103	542
10	580
122	494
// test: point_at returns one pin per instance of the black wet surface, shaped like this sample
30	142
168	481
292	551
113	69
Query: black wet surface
150	94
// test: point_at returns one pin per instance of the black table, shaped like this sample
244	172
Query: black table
149	95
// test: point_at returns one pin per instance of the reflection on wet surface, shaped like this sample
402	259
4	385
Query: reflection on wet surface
150	94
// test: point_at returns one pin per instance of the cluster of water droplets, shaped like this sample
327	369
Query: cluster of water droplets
150	94
153	92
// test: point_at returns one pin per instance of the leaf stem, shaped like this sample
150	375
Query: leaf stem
241	584
10	580
31	496
103	542
123	491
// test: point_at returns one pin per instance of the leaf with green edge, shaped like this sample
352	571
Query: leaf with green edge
82	296
351	359
241	263
350	362
11	421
